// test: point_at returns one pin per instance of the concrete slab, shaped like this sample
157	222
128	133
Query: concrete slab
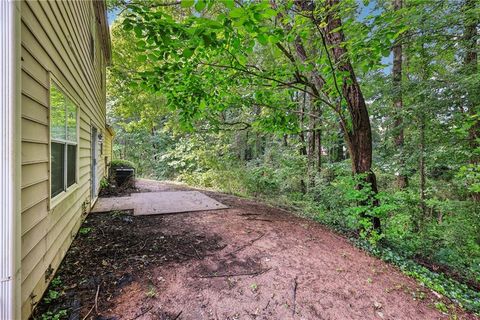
147	203
113	203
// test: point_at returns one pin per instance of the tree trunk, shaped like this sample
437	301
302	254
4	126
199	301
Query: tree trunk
301	135
421	169
471	68
341	144
402	180
311	145
336	153
155	146
258	146
318	139
359	137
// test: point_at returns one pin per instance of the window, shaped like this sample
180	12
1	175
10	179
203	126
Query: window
63	134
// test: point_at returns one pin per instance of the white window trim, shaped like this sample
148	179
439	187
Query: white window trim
57	199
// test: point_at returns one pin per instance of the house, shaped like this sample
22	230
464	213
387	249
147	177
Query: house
54	142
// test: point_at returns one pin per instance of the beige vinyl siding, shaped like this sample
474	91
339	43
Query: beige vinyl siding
107	148
55	41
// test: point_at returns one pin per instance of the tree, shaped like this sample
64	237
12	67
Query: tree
471	23
359	135
399	138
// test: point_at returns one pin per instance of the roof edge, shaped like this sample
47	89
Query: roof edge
102	20
110	130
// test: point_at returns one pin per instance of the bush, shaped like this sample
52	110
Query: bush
123	164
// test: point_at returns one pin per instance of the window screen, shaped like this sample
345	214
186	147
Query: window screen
58	168
63	133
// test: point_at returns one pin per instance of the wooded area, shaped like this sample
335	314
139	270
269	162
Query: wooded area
363	115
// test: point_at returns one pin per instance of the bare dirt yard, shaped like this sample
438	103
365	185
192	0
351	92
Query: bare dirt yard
250	261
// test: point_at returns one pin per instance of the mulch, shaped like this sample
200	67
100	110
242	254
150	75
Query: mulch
111	251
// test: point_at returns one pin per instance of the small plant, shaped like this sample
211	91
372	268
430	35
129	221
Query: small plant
152	291
104	183
440	306
85	230
117	213
52	295
56	282
254	287
420	295
60	314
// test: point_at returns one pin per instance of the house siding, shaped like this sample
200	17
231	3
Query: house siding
108	149
55	43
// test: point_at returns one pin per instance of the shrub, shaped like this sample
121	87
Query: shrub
120	163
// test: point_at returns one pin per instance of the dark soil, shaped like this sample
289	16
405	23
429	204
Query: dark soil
112	190
251	261
112	251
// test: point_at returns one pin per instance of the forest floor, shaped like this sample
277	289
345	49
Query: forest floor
251	261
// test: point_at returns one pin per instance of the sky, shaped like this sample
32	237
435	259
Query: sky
112	15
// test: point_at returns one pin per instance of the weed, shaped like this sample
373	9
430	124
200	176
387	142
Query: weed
52	295
56	282
85	230
440	306
49	315
152	291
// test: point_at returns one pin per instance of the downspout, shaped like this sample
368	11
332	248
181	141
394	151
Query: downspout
10	160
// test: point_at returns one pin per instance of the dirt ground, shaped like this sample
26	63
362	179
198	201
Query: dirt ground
250	261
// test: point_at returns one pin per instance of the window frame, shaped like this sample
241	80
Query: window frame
67	190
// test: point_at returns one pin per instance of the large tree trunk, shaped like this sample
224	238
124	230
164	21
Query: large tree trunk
359	137
155	145
311	144
399	140
471	68
301	135
337	153
318	139
421	169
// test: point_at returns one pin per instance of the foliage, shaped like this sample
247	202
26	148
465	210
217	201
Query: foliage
55	292
121	163
84	230
458	292
60	314
471	175
104	183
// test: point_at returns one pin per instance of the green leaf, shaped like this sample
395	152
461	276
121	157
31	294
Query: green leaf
262	39
229	4
138	30
237	13
187	3
200	5
242	59
269	13
202	105
187	53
